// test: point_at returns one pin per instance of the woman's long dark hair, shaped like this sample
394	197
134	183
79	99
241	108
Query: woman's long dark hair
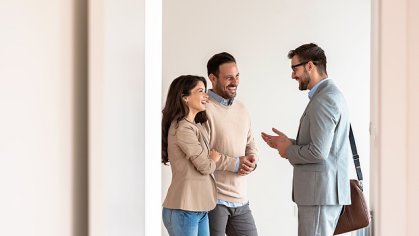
176	109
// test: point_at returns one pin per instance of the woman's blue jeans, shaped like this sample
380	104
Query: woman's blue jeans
186	223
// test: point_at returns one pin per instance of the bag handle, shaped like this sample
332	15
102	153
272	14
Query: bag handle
355	155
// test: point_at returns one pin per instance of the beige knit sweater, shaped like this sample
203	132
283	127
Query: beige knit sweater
229	128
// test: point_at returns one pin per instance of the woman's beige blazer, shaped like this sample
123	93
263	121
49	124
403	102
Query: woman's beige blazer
193	186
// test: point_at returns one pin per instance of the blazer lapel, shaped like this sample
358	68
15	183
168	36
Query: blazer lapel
305	111
301	121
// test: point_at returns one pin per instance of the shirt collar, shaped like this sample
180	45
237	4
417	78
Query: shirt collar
218	98
314	89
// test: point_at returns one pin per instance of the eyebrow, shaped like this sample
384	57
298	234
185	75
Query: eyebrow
231	75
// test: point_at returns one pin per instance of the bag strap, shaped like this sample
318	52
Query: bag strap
355	155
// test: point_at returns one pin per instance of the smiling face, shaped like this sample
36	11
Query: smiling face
197	100
227	81
300	73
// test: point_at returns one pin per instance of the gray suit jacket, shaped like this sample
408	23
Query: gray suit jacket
320	153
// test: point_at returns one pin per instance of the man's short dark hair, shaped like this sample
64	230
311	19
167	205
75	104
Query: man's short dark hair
214	63
311	52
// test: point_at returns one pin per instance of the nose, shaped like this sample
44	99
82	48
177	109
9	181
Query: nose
235	81
206	95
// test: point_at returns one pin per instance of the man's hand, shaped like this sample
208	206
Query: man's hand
280	142
247	164
214	155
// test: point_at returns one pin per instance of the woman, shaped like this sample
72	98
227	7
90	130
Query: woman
185	144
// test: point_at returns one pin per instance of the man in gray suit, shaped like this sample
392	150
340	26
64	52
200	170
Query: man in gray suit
320	152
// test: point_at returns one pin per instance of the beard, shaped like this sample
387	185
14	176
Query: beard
225	93
304	81
229	94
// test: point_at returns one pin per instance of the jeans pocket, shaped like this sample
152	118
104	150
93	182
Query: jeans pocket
187	218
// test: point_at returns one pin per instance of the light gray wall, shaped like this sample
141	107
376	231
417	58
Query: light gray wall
395	115
260	34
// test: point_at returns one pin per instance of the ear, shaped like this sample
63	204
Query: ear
311	65
212	78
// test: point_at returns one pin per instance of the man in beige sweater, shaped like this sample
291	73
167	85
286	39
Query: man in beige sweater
230	133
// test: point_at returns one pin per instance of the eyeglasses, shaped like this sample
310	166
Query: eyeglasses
300	64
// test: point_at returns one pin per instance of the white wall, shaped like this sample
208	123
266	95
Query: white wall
43	150
260	34
116	118
44	115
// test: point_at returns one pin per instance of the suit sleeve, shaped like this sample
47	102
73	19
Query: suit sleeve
322	119
187	139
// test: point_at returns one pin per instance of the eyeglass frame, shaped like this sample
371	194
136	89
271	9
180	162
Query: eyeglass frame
299	64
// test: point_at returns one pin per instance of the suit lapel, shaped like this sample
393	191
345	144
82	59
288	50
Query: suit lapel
324	84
